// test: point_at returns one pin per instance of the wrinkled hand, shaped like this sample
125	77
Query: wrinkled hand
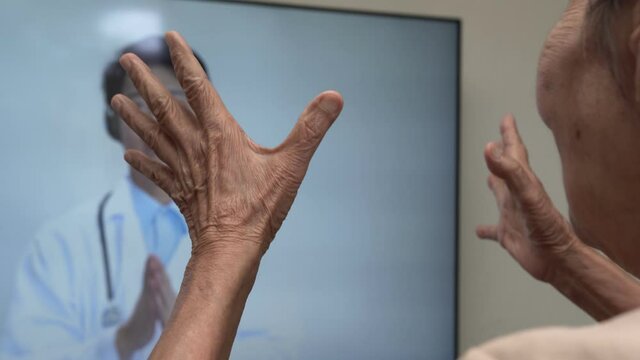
530	228
231	190
154	304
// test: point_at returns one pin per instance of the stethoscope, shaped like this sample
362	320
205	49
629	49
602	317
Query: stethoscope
112	314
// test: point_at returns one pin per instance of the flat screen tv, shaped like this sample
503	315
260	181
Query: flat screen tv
364	267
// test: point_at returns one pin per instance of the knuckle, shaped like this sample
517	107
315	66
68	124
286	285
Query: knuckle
153	175
535	201
129	113
547	230
546	225
310	130
525	182
134	160
518	171
152	137
196	86
532	194
185	174
163	107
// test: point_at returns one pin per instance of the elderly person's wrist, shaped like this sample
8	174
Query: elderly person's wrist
216	284
594	282
231	243
566	259
224	262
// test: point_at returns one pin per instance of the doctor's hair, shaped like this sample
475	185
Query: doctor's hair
153	51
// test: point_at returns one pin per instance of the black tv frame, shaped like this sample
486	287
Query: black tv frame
452	20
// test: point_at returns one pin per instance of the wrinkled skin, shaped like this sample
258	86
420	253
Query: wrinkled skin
594	120
530	228
131	141
596	126
231	191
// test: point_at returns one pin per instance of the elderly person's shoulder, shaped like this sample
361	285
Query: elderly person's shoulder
613	339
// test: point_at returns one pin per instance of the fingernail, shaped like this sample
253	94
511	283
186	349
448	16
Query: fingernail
330	104
125	62
116	102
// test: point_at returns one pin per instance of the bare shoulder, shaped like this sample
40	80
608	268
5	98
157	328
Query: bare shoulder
613	339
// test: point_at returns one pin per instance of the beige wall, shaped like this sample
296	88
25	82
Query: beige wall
501	42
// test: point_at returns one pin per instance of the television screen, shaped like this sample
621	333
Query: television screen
364	266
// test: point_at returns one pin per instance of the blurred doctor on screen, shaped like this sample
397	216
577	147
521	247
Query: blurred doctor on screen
100	281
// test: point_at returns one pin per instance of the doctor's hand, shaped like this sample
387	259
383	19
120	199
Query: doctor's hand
531	229
164	297
140	328
233	193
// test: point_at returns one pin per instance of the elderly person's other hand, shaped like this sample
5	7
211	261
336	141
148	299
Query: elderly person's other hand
530	227
538	237
233	193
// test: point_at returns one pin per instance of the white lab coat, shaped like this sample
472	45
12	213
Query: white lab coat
61	291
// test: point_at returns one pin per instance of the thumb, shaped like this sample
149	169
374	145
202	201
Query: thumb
313	124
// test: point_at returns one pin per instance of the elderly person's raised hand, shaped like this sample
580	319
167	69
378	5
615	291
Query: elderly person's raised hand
233	192
531	229
539	238
227	186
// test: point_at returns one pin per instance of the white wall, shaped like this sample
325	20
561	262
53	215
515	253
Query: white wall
501	43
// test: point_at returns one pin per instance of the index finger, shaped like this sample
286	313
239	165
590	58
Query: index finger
201	95
511	138
167	110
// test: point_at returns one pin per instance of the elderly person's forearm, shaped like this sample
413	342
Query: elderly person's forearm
210	304
595	284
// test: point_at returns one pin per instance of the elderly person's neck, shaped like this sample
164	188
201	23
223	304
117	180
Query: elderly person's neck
587	91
